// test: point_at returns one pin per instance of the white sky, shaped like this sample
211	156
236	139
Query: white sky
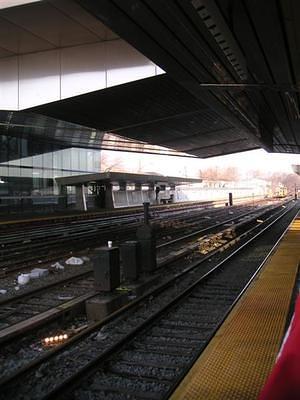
186	167
256	159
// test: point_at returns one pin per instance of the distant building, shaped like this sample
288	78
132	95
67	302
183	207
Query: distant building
218	190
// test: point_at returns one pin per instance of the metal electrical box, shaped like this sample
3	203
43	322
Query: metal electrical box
146	237
106	264
131	259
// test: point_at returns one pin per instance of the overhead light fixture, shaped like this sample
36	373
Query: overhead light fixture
2	181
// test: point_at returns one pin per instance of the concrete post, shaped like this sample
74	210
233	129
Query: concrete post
109	202
63	197
80	198
146	213
157	190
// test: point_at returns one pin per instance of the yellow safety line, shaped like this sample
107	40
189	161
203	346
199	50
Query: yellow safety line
240	357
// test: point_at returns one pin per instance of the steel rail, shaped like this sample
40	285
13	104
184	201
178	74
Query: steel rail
72	382
76	277
98	325
86	273
89	236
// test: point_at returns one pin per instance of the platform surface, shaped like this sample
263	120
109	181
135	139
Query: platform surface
238	360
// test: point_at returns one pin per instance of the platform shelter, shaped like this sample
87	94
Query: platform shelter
118	189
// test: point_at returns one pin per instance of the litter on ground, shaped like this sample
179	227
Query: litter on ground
57	266
74	261
23	279
38	273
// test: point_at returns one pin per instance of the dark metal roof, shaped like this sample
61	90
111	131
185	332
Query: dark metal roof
44	132
233	65
109	177
156	110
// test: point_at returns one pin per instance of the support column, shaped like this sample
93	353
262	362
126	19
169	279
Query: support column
109	201
80	198
146	213
157	190
63	196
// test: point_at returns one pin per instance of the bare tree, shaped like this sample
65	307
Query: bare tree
277	178
111	162
220	174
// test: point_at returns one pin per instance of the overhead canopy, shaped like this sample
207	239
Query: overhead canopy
239	57
232	75
121	177
155	110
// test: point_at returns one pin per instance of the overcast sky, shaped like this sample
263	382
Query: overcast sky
180	166
256	159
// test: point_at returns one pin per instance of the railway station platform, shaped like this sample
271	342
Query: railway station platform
238	360
119	189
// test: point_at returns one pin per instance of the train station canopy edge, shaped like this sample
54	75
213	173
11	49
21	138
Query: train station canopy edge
232	76
233	65
111	177
155	110
296	169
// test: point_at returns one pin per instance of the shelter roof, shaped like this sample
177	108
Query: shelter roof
117	177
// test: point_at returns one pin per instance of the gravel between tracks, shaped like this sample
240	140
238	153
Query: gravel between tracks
56	370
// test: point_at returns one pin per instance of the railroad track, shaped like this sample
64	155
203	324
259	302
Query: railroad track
20	250
37	305
43	302
23	239
238	223
74	218
132	346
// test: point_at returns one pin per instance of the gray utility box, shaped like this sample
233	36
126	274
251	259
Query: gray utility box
146	237
98	307
131	259
106	265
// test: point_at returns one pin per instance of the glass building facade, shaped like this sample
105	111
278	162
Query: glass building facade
35	152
